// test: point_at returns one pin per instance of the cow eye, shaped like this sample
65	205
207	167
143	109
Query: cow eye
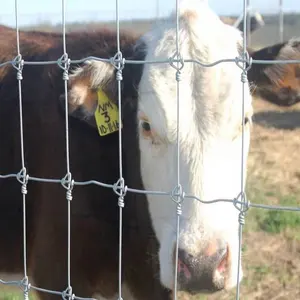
146	126
146	129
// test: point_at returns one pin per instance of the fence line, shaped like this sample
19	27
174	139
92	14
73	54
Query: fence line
177	194
281	15
19	68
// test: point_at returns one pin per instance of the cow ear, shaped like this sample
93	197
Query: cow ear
86	81
88	85
277	83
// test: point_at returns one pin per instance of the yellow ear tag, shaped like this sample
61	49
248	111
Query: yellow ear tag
106	115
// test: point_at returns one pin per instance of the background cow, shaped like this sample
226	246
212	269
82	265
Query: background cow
279	83
256	21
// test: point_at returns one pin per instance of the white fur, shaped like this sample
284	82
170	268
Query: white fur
210	134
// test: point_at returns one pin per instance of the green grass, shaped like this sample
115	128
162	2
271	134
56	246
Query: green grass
13	293
272	221
276	221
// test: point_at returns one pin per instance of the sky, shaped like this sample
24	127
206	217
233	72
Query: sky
35	11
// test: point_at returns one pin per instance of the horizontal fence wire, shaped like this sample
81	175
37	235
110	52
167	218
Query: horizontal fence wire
156	193
176	61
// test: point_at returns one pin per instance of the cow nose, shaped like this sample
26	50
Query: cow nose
203	272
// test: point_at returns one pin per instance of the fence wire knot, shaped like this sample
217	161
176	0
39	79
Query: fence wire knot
244	203
68	183
18	64
177	58
64	63
23	177
67	294
120	189
178	75
242	218
244	58
118	63
119	76
244	77
25	285
179	209
177	194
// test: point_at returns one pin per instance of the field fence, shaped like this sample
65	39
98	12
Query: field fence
241	203
250	10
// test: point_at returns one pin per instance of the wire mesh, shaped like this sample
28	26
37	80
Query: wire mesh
177	62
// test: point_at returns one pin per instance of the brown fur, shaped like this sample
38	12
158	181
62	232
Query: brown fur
32	44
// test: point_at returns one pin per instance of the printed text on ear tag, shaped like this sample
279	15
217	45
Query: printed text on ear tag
106	115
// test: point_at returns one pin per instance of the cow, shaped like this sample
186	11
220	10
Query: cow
279	83
211	121
256	21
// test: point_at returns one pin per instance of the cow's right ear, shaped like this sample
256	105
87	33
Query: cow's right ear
83	88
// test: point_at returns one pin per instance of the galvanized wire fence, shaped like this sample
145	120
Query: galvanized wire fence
241	203
250	10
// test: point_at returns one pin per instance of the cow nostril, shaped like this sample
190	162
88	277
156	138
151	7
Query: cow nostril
184	264
206	271
183	269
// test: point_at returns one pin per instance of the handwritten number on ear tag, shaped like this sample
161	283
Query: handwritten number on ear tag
106	114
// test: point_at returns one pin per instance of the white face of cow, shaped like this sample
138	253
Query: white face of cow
210	141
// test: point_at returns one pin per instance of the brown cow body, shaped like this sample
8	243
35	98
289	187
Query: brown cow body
94	209
33	43
94	225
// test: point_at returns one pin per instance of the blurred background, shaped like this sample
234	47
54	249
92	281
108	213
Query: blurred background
46	15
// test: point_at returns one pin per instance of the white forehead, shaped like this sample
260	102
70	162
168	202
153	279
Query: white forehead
203	91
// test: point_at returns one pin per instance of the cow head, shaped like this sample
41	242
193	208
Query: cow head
210	140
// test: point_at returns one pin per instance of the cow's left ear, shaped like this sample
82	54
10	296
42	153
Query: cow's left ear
84	85
277	83
94	84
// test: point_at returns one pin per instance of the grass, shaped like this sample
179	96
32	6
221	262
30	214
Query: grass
9	293
276	221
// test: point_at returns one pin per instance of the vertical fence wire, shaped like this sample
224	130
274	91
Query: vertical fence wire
23	177
281	16
119	64
248	21
244	206
157	10
68	183
178	186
